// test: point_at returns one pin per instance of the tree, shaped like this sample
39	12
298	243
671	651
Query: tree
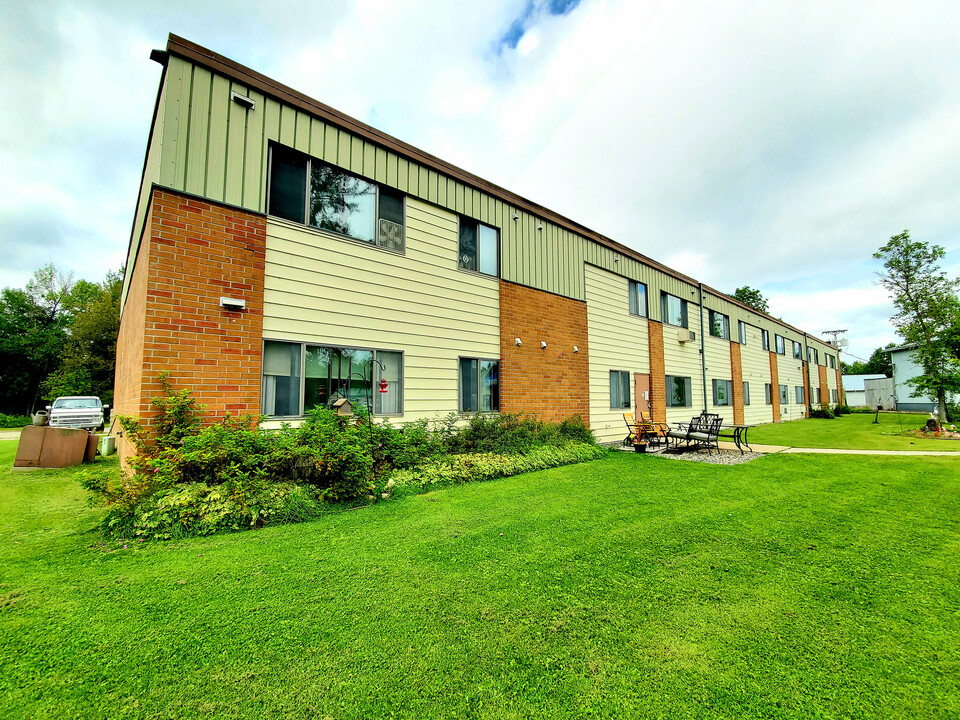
90	350
879	363
752	297
927	312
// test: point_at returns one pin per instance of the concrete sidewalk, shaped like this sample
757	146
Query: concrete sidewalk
834	451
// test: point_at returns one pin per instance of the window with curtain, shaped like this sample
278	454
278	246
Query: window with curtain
619	389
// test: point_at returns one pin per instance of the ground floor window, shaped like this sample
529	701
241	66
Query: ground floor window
746	393
679	391
300	376
784	397
768	393
722	392
819	401
619	389
479	385
798	390
834	396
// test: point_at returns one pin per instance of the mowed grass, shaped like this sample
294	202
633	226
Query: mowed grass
855	431
788	587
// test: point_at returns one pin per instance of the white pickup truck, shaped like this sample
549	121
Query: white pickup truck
77	412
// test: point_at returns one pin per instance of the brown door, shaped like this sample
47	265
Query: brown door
641	391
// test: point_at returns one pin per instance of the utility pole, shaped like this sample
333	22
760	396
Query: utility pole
835	333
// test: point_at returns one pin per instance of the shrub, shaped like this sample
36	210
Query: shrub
841	410
512	433
953	412
475	467
862	410
14	421
821	413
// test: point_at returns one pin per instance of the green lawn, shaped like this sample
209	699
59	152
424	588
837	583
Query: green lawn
789	587
852	431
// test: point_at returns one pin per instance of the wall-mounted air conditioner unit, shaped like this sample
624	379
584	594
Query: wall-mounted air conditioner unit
684	335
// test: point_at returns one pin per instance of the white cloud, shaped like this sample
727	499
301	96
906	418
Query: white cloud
769	144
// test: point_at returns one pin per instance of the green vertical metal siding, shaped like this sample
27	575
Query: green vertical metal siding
213	147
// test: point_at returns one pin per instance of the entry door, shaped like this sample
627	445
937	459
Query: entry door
641	391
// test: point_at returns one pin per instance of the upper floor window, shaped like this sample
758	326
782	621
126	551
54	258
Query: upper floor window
673	310
479	247
742	332
798	351
719	325
832	362
781	344
765	339
306	190
638	299
813	355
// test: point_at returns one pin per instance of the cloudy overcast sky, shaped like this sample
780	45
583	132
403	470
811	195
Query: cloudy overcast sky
773	144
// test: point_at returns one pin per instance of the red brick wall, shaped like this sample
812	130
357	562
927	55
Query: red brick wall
192	253
840	399
736	372
658	370
806	386
824	388
553	383
775	386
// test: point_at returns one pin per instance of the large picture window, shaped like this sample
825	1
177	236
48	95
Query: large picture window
619	389
719	325
638	299
479	385
479	247
298	376
673	310
309	191
679	391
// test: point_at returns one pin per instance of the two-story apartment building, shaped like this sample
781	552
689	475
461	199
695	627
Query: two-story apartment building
284	255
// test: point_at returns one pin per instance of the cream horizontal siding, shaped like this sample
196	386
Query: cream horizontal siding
717	356
617	341
791	376
325	289
683	360
755	368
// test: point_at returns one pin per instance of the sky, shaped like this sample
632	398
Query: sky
762	143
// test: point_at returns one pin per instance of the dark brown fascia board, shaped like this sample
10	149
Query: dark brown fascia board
177	45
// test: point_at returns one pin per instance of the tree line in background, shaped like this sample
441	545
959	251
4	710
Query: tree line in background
879	363
58	336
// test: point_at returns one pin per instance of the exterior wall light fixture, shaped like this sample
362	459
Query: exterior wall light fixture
518	341
234	304
543	344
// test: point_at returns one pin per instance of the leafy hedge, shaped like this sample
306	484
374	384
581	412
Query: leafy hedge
475	467
14	421
194	479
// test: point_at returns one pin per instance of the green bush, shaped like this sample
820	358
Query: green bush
841	410
953	412
14	421
821	414
475	467
863	410
512	433
194	479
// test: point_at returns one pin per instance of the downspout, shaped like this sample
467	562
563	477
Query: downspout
703	356
808	384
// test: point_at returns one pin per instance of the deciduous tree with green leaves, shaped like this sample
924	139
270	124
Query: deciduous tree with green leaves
752	297
927	312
